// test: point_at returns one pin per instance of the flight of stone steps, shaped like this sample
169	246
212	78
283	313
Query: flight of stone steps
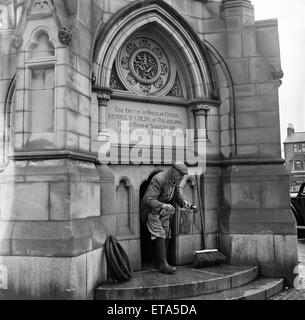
216	283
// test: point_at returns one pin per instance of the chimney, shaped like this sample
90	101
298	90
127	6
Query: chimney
290	130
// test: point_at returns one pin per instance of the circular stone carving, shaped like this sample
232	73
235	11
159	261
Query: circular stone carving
124	62
145	88
144	67
131	80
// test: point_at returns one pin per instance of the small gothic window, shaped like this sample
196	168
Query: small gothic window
43	47
124	207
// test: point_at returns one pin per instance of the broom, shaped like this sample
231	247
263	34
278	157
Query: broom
205	258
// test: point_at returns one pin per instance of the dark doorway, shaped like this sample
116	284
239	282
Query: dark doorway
147	252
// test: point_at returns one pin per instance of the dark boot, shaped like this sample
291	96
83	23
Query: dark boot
163	266
154	253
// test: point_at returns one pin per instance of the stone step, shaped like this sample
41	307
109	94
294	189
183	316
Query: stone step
260	289
186	282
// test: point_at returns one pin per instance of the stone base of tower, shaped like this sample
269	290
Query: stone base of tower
52	233
53	278
257	226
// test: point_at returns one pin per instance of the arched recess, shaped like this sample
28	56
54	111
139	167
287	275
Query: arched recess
8	124
193	56
124	207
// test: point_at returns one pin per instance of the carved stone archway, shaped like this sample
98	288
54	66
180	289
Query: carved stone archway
110	38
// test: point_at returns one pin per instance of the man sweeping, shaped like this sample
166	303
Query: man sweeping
158	207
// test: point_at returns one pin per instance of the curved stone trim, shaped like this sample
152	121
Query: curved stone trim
8	113
109	39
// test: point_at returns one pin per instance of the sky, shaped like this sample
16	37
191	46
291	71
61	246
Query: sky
291	18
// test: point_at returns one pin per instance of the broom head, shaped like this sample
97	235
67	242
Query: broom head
208	258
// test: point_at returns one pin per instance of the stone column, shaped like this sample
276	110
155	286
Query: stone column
201	112
103	98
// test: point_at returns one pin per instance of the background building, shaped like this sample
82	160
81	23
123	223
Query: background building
70	70
294	147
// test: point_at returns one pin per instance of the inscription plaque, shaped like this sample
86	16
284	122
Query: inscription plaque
145	119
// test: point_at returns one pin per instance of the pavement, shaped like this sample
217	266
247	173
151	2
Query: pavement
297	293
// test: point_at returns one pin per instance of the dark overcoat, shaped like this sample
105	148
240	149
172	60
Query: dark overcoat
161	190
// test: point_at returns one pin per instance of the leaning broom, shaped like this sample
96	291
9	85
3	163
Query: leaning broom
205	258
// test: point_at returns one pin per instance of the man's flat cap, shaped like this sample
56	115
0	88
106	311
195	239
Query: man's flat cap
180	167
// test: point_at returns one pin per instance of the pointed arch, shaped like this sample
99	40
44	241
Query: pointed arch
110	37
26	14
8	122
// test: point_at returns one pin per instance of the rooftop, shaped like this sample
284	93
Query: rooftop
298	157
295	138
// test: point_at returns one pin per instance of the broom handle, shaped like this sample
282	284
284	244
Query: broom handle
198	185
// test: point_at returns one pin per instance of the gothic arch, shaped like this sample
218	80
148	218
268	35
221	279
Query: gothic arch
35	41
124	206
8	113
109	39
47	8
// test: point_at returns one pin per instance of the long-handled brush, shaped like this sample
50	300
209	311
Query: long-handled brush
205	258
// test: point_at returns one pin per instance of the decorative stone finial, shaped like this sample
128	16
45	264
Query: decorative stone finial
278	75
93	79
215	95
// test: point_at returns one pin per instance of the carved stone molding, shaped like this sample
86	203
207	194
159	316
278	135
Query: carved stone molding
236	3
40	8
201	112
93	79
103	94
115	82
17	41
65	36
278	75
215	95
144	67
177	90
103	98
201	109
41	5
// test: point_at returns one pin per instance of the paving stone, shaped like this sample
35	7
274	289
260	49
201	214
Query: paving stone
296	293
256	290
